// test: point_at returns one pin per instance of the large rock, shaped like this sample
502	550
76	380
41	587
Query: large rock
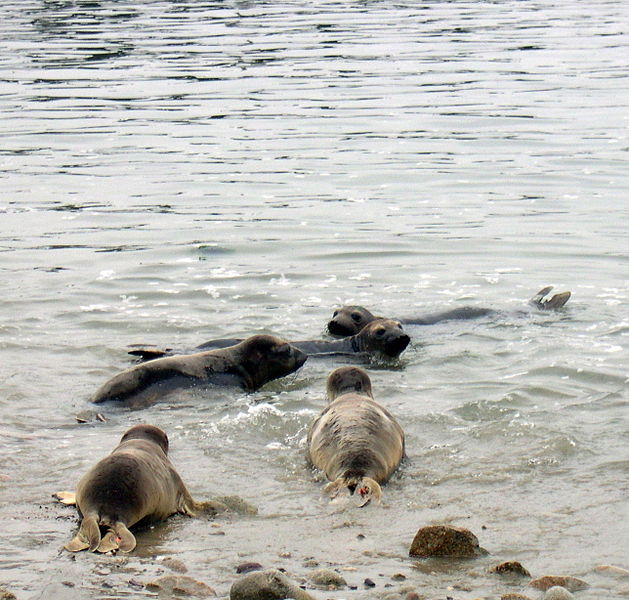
267	585
572	584
443	540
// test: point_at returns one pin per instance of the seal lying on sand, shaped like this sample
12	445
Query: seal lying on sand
249	364
381	336
349	320
136	482
355	441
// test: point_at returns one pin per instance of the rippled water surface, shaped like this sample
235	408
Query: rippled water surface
174	172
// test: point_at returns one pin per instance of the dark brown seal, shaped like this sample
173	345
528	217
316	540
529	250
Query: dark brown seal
384	337
349	320
136	482
356	442
249	364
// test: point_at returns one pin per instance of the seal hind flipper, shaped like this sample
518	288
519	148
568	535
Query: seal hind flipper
192	508
368	490
149	353
557	301
88	536
117	538
68	498
333	488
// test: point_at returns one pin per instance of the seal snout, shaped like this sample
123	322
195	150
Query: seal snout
396	344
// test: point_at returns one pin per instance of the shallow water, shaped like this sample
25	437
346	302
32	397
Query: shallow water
174	172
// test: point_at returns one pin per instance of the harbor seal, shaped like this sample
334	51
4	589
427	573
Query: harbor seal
349	320
356	442
136	482
249	365
385	337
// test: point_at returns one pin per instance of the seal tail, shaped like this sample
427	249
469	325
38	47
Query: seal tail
117	537
88	536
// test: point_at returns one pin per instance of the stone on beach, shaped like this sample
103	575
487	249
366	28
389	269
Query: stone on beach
510	567
328	579
181	585
572	584
266	585
557	593
445	541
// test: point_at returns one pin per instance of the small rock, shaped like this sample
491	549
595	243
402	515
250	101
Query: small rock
613	570
248	567
311	563
398	577
266	585
369	583
70	583
511	567
136	583
328	579
182	585
514	597
557	593
174	564
572	584
412	596
443	540
6	595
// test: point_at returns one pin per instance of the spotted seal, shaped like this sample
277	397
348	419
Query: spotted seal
384	337
349	320
249	364
355	441
136	482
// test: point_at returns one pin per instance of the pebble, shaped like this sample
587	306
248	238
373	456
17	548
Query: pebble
444	540
572	584
557	593
510	567
369	583
514	597
613	570
266	585
6	595
181	585
248	567
398	577
328	579
174	564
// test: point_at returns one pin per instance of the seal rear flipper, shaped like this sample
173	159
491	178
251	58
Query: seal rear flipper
117	538
367	490
68	498
88	536
334	487
557	301
149	353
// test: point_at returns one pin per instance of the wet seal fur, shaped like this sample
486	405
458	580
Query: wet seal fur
136	482
380	336
349	320
249	365
356	442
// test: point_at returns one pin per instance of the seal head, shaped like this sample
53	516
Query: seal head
349	320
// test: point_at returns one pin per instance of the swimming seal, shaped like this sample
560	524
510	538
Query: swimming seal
356	442
384	337
349	320
249	364
136	482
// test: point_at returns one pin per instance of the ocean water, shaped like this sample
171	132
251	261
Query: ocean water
174	172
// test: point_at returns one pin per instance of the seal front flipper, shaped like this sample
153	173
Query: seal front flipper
88	536
68	498
366	491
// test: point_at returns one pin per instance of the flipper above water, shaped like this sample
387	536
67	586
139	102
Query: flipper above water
556	301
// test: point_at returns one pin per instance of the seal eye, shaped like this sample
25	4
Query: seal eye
335	313
380	332
356	317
